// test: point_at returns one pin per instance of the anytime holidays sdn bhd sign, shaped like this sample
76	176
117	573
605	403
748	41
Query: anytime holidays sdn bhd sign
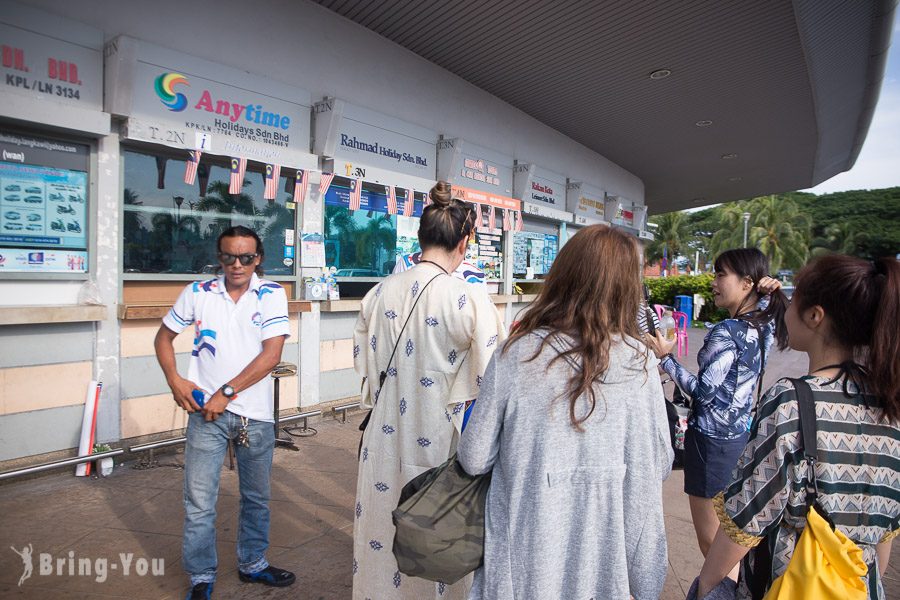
186	102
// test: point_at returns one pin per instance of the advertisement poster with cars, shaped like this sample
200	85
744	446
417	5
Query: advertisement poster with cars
42	207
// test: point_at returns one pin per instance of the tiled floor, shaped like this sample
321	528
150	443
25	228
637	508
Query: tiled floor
135	516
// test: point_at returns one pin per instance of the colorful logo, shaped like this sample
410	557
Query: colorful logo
165	89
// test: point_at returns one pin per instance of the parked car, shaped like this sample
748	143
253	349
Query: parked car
12	215
12	188
34	190
357	273
33	199
34	217
13	197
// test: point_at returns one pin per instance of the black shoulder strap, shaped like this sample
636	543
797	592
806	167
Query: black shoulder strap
762	359
383	375
806	406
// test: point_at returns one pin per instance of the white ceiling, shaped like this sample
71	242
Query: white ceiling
788	86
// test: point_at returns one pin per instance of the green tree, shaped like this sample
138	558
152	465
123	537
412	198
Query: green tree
671	235
838	237
730	226
377	238
780	231
219	200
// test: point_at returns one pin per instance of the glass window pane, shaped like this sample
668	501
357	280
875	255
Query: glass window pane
360	243
171	227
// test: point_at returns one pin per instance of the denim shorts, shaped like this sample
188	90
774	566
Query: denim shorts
709	462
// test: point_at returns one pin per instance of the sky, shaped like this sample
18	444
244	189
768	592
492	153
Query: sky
878	165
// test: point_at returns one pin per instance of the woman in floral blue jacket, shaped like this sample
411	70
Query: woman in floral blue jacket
731	362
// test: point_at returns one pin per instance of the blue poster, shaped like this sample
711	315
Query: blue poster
42	207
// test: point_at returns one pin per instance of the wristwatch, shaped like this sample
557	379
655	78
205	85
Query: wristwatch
228	391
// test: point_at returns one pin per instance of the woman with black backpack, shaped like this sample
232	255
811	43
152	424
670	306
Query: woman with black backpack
844	315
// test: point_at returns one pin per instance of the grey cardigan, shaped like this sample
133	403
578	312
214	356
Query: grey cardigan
573	515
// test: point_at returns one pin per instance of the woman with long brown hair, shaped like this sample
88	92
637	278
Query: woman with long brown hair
423	339
571	420
843	314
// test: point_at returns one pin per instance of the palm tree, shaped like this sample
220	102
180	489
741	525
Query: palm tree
837	237
730	232
133	231
671	235
780	231
379	234
219	200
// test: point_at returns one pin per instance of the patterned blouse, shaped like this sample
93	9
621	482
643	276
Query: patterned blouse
722	391
858	475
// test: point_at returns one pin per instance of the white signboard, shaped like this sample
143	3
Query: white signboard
540	186
50	58
586	201
358	138
186	102
466	165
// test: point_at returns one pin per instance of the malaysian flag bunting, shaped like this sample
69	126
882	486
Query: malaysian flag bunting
409	205
301	181
507	219
190	170
325	183
518	220
355	194
238	169
391	193
479	221
492	218
273	174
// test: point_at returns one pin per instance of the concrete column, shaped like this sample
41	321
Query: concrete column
107	277
308	369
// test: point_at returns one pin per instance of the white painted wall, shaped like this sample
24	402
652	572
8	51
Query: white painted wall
303	44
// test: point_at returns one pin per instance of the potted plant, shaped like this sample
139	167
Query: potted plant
104	466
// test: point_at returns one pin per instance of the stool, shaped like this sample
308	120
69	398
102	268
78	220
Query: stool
282	369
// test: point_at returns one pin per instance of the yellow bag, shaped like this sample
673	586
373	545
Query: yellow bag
826	564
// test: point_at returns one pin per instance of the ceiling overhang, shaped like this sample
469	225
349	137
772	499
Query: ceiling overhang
761	97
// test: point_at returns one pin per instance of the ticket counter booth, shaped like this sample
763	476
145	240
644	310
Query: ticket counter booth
201	149
378	171
57	324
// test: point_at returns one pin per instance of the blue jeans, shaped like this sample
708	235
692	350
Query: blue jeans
207	443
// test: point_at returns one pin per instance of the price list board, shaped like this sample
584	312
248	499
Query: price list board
487	253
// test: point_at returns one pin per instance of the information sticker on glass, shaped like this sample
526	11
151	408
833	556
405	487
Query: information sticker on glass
312	250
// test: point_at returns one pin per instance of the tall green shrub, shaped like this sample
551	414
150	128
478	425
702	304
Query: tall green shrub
664	289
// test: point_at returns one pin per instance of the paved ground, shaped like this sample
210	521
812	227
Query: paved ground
137	514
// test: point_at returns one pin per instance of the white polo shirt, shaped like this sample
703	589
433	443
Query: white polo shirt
228	336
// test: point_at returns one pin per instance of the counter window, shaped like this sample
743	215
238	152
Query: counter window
533	253
368	241
44	204
172	227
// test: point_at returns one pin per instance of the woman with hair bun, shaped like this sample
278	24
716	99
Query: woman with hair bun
843	314
451	331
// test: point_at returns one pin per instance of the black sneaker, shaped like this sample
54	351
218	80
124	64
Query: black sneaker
269	576
201	591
